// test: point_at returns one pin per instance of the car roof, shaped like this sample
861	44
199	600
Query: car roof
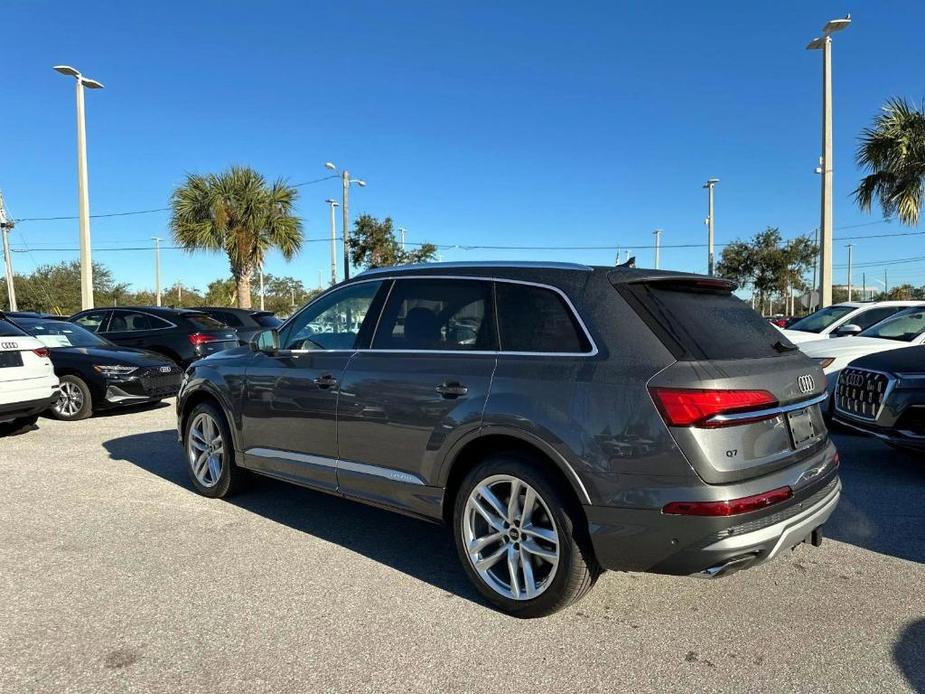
234	309
445	268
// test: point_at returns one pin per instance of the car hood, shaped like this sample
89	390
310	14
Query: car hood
798	336
903	360
848	347
121	356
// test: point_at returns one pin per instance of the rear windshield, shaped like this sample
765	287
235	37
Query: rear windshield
821	319
267	320
705	323
7	329
201	321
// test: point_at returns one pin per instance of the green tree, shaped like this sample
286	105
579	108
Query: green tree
769	265
237	212
893	151
56	288
373	244
221	292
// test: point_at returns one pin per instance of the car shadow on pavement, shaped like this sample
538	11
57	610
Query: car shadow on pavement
880	508
909	654
380	535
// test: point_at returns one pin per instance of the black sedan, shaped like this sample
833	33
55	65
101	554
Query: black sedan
247	322
181	334
96	374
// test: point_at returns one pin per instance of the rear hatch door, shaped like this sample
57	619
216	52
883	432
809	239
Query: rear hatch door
740	401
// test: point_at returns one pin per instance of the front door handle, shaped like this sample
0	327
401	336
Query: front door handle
452	390
326	381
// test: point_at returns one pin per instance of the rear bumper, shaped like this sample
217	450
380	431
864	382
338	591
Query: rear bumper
635	540
15	410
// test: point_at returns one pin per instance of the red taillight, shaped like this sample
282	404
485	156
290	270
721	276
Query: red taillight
685	407
41	352
732	507
197	339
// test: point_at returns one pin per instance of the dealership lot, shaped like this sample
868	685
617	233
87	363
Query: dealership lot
115	575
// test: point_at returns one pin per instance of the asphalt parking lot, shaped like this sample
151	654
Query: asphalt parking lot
116	576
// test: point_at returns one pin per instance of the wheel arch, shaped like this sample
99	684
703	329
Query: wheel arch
469	453
201	395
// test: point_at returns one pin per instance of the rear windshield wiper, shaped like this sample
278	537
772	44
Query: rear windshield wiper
781	347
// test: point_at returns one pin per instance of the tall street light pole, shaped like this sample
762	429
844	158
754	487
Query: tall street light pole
709	185
658	239
824	43
346	181
83	188
401	233
333	204
6	226
157	269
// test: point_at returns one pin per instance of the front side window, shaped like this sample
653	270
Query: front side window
902	328
332	322
536	319
438	314
874	316
92	321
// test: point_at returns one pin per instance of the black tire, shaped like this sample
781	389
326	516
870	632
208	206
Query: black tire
577	569
232	478
81	390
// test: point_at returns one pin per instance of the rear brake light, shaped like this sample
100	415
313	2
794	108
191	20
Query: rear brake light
686	407
732	507
197	339
41	352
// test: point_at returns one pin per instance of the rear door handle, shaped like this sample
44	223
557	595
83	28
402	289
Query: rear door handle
326	381
452	390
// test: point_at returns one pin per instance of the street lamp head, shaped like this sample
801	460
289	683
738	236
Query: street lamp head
836	25
817	43
91	84
359	182
330	166
67	70
711	182
332	202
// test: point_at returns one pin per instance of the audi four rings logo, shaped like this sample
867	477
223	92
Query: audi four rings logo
166	369
8	345
855	379
806	383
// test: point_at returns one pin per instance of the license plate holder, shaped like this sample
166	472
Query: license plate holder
802	428
10	359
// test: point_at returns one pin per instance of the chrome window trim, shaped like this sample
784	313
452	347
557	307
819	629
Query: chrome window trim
170	324
337	464
769	412
890	385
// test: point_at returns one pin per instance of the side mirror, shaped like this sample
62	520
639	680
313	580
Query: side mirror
848	330
266	341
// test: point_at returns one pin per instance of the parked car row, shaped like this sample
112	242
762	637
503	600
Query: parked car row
113	357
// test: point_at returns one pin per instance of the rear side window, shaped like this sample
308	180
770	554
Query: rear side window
7	329
536	319
201	321
267	320
703	323
228	318
438	314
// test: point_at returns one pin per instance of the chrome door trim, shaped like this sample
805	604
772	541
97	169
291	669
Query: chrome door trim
337	464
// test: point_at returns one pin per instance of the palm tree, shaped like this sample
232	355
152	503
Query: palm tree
893	151
237	212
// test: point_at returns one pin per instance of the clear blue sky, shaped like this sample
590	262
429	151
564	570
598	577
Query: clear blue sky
515	123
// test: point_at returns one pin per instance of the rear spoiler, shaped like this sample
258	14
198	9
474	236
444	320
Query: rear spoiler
680	280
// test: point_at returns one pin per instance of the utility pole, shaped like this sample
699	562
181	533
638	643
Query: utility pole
850	246
346	182
6	225
886	287
815	287
824	43
291	297
333	204
709	185
401	233
179	294
83	187
863	286
157	269
658	238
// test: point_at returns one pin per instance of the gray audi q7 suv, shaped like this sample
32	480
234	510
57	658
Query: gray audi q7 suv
561	419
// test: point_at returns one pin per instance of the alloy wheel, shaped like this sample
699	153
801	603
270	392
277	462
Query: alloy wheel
205	449
510	537
70	399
